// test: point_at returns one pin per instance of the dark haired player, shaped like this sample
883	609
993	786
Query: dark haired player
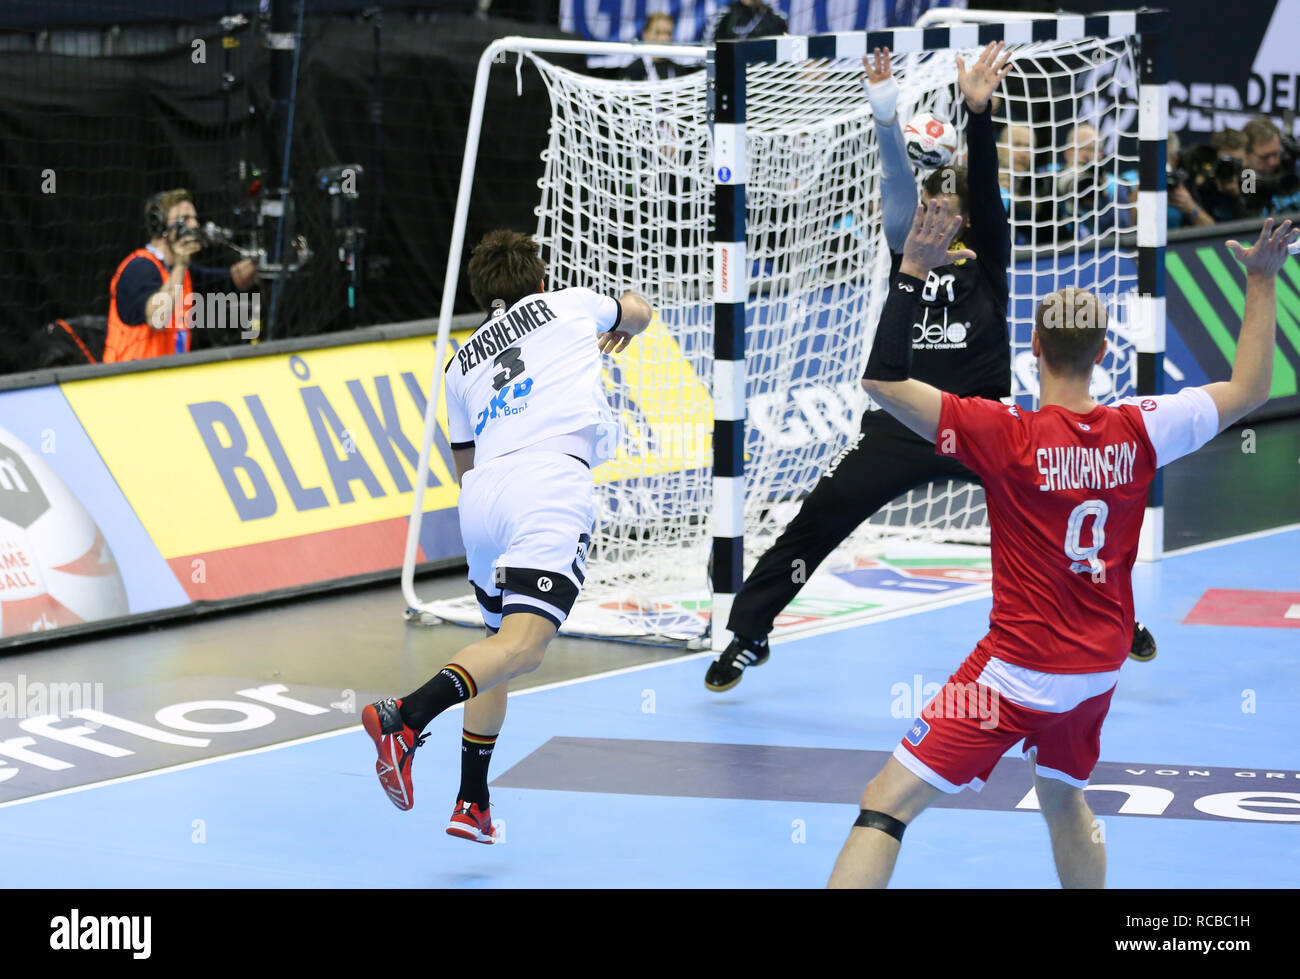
1066	487
959	344
528	418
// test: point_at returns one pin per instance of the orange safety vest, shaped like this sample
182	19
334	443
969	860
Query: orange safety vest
127	341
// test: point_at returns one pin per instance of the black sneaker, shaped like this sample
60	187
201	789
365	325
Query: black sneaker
724	672
1144	644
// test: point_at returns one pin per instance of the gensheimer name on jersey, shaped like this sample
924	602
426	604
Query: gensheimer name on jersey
1066	495
532	373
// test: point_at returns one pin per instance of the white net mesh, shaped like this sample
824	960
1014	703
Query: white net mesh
627	204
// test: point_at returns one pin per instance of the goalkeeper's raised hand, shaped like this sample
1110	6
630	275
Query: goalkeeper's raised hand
980	81
882	90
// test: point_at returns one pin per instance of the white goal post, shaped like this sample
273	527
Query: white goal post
491	55
745	205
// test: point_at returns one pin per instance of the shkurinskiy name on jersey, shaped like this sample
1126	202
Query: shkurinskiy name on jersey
491	338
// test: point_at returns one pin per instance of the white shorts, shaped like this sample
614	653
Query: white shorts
526	519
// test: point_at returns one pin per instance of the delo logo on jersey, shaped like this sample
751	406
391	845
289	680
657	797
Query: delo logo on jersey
939	336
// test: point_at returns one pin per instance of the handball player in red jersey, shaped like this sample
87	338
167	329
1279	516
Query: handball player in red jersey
1066	488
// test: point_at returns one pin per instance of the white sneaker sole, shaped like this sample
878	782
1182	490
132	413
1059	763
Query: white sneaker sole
463	832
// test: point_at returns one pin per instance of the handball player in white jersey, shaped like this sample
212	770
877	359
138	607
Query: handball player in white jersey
528	420
1066	487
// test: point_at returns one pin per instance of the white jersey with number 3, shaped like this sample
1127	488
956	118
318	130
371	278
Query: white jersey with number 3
532	374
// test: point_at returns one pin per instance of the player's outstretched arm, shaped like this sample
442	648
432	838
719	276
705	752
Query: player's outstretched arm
1252	367
635	317
990	224
897	185
914	403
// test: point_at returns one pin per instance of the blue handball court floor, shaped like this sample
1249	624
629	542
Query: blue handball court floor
640	777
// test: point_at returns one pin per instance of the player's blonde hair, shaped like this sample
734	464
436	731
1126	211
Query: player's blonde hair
505	266
1071	325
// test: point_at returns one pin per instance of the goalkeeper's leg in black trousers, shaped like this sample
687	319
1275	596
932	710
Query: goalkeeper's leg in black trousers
885	461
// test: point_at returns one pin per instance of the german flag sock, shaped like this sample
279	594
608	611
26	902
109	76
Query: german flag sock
452	685
475	757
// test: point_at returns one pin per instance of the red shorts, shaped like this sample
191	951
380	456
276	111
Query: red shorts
968	727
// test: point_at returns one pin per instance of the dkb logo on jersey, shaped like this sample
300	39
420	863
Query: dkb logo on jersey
510	360
498	406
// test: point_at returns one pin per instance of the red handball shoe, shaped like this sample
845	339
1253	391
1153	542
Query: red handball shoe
469	822
396	744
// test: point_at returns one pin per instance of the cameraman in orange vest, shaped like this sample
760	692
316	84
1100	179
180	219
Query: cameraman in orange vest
153	287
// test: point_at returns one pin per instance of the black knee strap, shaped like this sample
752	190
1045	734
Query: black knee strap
870	819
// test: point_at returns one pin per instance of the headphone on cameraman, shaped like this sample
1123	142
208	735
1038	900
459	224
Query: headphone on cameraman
155	215
155	218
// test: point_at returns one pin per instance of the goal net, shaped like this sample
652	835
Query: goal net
627	204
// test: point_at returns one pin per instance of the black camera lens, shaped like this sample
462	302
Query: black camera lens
1227	168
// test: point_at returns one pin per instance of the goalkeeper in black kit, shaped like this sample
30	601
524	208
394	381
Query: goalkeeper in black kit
959	344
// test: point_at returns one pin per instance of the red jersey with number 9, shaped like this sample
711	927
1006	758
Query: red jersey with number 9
1066	495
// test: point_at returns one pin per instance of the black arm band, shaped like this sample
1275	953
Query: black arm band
891	352
870	819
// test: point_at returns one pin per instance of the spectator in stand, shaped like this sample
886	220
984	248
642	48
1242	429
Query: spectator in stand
1015	168
1230	142
1091	200
1213	174
1015	156
153	287
1023	183
746	19
1271	176
1183	206
658	30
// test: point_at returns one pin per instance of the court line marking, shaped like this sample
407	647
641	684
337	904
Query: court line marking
1254	535
811	632
352	729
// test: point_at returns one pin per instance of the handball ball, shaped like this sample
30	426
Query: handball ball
931	141
56	569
